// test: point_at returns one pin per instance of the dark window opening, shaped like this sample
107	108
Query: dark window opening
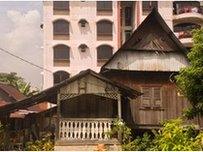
60	76
104	52
61	5
128	16
61	27
61	52
104	28
104	5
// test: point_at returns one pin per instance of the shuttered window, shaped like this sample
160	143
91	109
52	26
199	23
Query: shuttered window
61	52
104	52
60	76
157	96
104	28
104	5
61	5
61	27
146	97
147	6
151	97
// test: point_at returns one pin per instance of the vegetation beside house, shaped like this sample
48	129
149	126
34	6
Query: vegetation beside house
174	136
190	79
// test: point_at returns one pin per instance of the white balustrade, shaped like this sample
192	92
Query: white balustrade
84	128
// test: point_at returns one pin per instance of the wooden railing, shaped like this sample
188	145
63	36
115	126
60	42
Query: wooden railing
84	128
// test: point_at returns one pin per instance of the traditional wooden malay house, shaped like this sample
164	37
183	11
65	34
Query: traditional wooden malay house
86	105
147	62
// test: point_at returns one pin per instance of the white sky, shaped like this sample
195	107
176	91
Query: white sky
21	35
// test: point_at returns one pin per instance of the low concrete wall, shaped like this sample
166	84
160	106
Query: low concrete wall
67	145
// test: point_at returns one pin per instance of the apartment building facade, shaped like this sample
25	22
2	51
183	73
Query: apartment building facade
85	34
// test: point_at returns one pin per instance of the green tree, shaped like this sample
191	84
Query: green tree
17	82
45	144
175	136
190	79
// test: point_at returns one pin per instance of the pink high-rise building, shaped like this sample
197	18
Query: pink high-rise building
84	34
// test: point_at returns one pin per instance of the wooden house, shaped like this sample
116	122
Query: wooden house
21	123
87	104
148	62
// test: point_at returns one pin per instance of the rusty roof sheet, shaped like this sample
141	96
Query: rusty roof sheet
2	102
21	113
12	92
17	95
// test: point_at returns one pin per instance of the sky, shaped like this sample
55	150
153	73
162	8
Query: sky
21	35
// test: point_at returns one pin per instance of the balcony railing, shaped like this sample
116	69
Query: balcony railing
184	34
84	128
188	10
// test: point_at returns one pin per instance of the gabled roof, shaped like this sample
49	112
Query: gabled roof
45	95
120	86
17	96
11	91
153	34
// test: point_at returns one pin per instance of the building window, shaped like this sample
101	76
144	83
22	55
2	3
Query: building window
61	55
60	76
104	6
61	29
151	97
147	6
104	29
104	52
61	52
128	16
61	5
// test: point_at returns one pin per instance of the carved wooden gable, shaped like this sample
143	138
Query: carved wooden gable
88	84
152	47
152	37
153	42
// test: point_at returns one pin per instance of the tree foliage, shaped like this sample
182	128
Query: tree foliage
120	128
4	138
190	79
17	82
174	136
45	144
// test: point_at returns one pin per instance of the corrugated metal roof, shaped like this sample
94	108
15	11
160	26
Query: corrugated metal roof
2	102
17	95
52	92
41	107
12	92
